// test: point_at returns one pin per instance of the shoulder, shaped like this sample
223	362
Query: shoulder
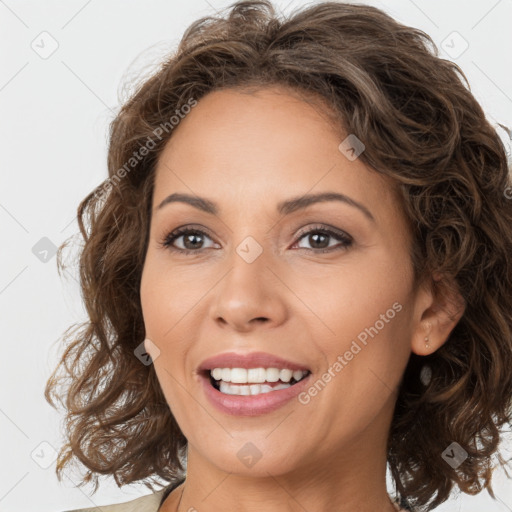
149	503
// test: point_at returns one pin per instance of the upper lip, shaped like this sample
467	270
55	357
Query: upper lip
249	360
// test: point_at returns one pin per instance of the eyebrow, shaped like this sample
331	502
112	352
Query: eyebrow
283	208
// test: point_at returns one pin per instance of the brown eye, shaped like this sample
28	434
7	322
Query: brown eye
192	240
319	239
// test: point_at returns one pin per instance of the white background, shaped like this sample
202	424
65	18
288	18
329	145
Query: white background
53	121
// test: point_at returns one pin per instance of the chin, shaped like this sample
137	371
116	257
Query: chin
254	459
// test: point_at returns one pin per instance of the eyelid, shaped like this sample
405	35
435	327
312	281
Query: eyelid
325	228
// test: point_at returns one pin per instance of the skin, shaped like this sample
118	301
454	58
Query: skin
247	152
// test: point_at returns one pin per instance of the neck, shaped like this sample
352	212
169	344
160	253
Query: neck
289	501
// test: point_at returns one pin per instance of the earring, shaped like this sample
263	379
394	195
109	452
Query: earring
426	337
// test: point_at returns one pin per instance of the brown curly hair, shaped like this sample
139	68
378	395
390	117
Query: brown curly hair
421	126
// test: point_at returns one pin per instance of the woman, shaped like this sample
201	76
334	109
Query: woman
297	274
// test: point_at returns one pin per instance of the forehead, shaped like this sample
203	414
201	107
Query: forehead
250	146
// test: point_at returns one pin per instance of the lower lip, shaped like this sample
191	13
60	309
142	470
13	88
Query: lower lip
256	405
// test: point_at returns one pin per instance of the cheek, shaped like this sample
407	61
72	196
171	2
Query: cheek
150	302
158	292
355	297
368	310
364	367
162	308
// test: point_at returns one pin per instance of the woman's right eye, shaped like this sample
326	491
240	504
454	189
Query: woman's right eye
191	239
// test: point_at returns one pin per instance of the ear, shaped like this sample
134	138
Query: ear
438	308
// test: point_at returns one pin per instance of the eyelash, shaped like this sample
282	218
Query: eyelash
166	243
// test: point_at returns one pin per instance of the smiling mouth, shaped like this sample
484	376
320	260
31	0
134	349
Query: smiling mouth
271	380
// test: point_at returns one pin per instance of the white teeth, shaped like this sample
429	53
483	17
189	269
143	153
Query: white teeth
273	374
255	375
286	375
298	374
253	389
238	375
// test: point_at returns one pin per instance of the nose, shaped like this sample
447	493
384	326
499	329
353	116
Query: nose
250	294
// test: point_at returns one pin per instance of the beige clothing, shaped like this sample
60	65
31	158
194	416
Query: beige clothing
149	503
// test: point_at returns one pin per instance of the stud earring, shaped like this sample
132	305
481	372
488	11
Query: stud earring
426	337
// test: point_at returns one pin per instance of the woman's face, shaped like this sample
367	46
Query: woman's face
328	286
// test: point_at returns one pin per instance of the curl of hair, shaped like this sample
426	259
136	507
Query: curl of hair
421	126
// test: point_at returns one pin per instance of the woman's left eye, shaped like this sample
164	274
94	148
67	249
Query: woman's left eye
316	236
